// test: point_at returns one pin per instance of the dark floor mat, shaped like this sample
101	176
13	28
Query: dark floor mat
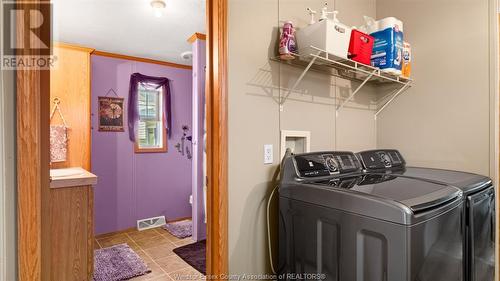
194	254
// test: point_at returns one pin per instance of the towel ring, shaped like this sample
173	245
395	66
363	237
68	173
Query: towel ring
56	102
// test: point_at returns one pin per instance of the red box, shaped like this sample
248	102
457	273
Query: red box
361	47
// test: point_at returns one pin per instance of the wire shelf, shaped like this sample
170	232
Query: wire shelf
324	62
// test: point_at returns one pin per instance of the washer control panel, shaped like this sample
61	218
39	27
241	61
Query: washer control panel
381	159
326	163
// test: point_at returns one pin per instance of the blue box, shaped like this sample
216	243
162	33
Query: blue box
388	50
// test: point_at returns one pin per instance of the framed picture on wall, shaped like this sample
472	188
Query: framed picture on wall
111	114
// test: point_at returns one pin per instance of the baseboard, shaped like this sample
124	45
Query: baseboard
107	234
179	219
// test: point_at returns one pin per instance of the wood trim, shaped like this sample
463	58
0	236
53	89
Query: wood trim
33	95
132	58
91	235
197	36
119	56
73	68
217	140
162	149
73	47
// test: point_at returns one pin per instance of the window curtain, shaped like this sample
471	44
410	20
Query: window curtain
153	83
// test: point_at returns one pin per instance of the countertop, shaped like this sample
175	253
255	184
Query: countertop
71	177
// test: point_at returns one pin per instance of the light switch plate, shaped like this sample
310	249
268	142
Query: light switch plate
268	154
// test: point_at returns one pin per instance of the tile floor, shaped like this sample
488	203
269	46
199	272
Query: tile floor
155	247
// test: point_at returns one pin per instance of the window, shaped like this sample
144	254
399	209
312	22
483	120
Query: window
151	132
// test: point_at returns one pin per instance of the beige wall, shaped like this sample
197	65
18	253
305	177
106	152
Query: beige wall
255	118
253	122
8	223
312	106
444	120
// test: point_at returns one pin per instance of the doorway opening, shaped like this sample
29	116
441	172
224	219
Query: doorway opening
41	93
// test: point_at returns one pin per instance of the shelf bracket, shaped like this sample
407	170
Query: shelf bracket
405	86
355	91
304	72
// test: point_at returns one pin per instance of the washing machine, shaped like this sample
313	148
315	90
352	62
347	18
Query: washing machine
479	206
338	223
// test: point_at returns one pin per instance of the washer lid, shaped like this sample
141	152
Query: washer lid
416	194
468	182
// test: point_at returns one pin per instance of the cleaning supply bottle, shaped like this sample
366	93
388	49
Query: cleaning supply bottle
287	45
406	70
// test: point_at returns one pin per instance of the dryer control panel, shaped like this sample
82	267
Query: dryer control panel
326	163
381	159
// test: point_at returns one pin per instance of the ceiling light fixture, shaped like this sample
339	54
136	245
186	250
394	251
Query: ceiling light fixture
158	6
187	55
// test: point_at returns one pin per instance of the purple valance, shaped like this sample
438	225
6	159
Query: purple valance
148	82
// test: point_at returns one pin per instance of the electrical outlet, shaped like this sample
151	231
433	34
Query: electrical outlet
268	154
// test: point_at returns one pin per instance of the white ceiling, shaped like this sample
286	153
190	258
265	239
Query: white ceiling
129	27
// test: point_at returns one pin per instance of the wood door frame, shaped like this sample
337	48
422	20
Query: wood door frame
33	97
217	139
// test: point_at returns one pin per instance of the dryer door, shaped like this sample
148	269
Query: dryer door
481	230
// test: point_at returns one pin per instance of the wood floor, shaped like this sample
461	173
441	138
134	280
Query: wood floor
155	247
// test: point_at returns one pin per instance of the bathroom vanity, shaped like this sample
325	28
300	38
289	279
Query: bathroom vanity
71	225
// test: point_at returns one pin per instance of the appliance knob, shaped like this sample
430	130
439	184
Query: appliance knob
332	165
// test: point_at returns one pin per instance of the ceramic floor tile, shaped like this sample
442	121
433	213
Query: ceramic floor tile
141	235
155	247
172	238
114	240
160	251
187	274
152	242
106	235
184	242
163	278
134	246
146	258
156	272
172	263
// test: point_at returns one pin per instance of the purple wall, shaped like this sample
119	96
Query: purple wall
199	63
135	186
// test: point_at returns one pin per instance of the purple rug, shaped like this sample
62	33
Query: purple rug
194	254
180	229
118	263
